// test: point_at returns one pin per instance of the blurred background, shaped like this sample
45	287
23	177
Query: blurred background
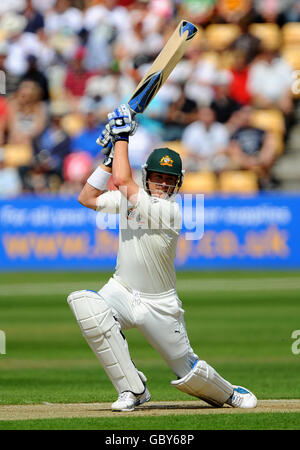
231	108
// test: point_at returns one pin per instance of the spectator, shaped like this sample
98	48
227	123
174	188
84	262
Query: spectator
63	18
292	12
54	144
11	81
251	148
34	74
4	119
85	141
246	42
197	12
132	43
199	85
223	105
140	146
35	20
10	182
238	88
99	47
76	78
233	11
104	92
181	112
28	114
274	11
12	25
206	142
50	151
272	72
11	5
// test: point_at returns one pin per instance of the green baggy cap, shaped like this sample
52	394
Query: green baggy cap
164	160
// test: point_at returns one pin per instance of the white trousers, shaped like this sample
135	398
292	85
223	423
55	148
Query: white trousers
159	318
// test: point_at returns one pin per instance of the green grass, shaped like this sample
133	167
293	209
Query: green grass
244	334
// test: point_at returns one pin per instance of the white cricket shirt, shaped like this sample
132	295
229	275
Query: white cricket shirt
147	240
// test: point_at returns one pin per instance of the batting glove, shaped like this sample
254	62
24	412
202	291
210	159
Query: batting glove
121	123
104	139
109	153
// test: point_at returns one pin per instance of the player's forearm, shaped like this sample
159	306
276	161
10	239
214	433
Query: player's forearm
121	170
94	187
122	176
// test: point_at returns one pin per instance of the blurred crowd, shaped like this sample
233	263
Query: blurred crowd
228	105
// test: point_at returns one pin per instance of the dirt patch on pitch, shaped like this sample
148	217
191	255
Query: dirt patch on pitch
71	410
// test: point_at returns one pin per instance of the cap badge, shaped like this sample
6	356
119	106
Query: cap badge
166	161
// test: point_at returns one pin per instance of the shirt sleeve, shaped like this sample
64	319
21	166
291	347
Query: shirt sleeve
160	213
109	202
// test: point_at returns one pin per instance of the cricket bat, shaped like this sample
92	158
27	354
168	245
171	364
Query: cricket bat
163	65
161	68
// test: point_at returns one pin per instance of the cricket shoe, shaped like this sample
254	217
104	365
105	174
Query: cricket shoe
128	401
242	398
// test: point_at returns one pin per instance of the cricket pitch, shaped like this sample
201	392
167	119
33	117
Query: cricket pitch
81	410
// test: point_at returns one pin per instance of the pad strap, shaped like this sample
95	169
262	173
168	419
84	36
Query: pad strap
204	382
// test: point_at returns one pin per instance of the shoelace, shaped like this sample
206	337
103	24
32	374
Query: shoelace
236	399
123	395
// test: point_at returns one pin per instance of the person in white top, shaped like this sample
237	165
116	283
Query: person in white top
270	80
142	292
206	142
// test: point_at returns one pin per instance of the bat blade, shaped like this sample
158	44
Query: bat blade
163	65
161	68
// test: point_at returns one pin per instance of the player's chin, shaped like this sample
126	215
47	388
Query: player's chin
160	194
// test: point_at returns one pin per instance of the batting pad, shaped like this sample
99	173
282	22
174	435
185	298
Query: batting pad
102	332
205	383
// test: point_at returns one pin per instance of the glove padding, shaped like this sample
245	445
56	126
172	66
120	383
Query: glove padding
107	138
121	121
104	139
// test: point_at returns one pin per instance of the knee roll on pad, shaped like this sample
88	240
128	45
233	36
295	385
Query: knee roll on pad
103	334
91	312
205	383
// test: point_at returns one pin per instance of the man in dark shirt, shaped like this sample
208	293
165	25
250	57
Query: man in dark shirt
181	113
223	105
34	74
35	20
251	148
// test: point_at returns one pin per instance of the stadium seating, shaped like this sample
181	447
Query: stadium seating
239	181
291	33
201	182
268	33
219	36
17	155
177	146
270	120
290	50
291	54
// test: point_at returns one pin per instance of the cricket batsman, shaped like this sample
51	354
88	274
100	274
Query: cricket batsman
142	292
